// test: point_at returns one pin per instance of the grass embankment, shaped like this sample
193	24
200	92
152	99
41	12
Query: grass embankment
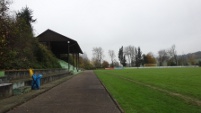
134	97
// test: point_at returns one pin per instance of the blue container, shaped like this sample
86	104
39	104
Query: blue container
36	81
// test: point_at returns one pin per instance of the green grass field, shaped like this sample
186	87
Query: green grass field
155	90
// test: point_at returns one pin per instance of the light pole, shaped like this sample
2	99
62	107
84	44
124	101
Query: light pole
68	54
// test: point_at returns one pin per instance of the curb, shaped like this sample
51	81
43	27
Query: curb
115	102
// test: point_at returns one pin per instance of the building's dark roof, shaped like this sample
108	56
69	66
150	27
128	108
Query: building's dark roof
59	43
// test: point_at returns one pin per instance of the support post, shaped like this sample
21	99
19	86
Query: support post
78	61
74	61
68	55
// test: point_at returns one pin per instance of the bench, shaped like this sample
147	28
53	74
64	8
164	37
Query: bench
5	90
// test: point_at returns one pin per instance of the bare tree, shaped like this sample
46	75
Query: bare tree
162	56
173	55
169	55
127	53
112	56
130	52
97	56
133	53
116	63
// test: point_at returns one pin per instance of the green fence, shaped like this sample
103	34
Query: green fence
2	73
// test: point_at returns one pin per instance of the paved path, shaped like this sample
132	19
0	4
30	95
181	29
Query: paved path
81	94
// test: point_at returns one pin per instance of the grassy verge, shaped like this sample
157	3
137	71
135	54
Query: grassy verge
135	98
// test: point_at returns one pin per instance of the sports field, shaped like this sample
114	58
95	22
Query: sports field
155	90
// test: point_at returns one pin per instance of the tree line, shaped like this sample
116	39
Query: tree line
18	47
130	56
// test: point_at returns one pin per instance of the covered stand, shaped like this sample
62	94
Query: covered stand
61	46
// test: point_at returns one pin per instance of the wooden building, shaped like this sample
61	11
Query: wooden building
61	45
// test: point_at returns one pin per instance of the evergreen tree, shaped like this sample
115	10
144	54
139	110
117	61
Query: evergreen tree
124	61
144	61
122	57
138	57
26	14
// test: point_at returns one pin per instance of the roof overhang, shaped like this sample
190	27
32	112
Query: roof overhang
60	44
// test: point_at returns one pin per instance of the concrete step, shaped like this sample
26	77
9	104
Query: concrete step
21	90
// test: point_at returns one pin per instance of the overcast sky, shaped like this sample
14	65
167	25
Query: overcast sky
151	24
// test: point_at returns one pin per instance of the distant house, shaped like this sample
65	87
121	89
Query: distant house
60	45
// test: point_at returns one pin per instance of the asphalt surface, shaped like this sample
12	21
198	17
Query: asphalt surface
83	93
